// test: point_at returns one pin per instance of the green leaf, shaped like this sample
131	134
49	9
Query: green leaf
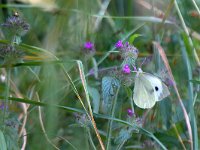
129	91
34	102
109	85
94	94
3	145
95	67
169	140
133	37
195	81
123	136
11	136
165	112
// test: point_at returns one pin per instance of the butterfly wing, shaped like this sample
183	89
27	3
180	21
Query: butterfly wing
144	95
165	92
160	88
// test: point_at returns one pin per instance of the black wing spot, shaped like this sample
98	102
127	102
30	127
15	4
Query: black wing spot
156	88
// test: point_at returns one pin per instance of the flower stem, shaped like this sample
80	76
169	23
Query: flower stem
109	134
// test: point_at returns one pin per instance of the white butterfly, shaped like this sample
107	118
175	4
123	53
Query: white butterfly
148	90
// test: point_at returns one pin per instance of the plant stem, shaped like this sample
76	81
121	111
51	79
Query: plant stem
7	93
132	107
109	134
90	139
121	145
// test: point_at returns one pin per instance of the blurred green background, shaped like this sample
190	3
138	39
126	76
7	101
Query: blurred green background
58	31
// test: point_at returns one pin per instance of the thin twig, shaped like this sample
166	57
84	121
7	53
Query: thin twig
24	139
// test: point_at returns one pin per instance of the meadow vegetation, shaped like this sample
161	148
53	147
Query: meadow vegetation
68	71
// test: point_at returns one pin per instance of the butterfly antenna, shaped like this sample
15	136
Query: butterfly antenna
143	62
164	73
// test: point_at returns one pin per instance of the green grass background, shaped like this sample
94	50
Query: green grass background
49	72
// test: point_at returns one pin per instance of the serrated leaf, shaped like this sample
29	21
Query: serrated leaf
11	137
109	84
11	132
94	94
3	145
124	135
129	61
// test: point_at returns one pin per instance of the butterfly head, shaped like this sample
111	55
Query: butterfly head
138	72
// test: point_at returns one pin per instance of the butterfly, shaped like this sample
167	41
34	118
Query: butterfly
148	90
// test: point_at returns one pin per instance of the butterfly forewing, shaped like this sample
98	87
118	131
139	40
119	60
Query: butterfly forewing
144	95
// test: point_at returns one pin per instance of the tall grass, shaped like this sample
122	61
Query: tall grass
61	95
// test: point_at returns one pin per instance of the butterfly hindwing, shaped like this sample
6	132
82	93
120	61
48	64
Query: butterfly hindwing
165	92
144	95
160	88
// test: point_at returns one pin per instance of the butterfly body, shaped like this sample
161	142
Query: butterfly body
148	90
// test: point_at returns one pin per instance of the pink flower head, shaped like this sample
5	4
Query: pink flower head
130	112
88	45
126	69
119	44
127	44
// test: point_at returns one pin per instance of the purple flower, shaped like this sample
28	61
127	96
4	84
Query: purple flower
3	106
134	68
9	53
127	44
130	112
88	45
169	82
119	44
128	51
126	69
17	25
